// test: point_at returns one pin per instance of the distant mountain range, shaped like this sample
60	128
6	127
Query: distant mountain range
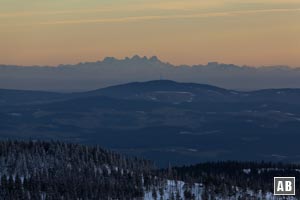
112	71
162	120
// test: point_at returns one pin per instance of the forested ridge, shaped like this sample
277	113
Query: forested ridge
56	170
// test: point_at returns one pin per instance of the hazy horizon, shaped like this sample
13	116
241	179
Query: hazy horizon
254	33
147	57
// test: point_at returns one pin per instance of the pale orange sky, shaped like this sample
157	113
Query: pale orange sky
51	32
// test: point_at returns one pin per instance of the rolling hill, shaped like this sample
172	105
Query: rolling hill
162	120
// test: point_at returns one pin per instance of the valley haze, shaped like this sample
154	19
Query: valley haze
111	71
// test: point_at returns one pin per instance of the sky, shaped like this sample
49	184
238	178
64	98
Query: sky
244	32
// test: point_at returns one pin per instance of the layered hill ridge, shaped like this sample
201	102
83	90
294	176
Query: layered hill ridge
162	120
156	91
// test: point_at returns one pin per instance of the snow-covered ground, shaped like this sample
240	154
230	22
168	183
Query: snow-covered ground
175	189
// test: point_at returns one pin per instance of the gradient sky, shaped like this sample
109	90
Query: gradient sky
50	32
